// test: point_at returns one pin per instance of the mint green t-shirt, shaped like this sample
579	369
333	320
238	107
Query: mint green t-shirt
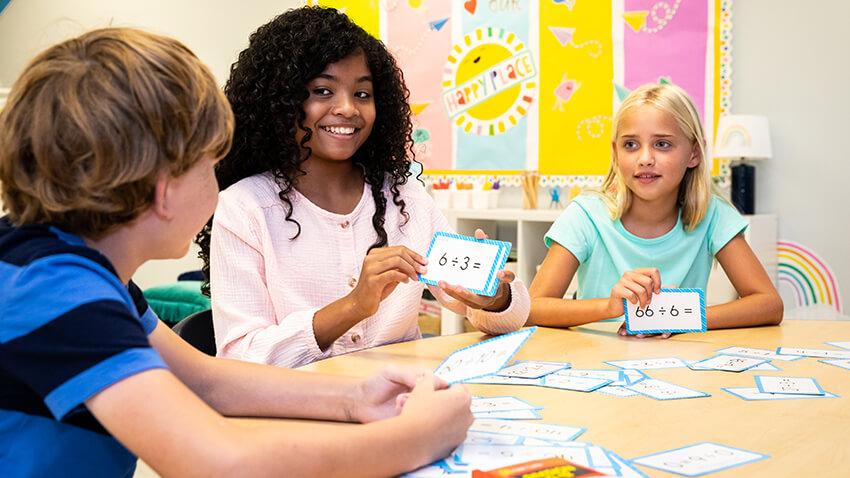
606	250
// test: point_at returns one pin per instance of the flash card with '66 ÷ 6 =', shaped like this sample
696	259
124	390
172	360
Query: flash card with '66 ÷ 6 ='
466	261
672	310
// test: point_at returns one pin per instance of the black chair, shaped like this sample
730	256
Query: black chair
197	329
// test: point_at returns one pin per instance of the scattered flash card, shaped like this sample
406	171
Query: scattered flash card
699	459
789	385
483	358
466	261
671	310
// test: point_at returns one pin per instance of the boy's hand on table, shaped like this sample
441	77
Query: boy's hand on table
443	414
382	395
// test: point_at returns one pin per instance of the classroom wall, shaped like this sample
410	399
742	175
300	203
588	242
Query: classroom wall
216	30
789	63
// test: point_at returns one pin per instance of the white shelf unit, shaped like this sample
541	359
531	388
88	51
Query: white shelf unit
525	229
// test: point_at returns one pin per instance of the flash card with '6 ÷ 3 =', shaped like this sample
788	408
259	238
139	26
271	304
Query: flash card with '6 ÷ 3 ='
466	261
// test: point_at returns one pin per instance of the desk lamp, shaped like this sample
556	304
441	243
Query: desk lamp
743	138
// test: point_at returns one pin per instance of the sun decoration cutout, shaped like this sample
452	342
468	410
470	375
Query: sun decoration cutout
487	82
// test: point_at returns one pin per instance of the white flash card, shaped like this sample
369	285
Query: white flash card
699	459
789	385
753	393
500	380
649	364
758	353
765	367
579	384
661	390
501	455
615	376
532	369
544	431
843	363
671	310
492	438
728	363
491	404
624	468
820	353
509	414
466	261
617	391
483	358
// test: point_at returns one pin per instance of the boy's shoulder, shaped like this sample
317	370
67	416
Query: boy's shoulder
21	246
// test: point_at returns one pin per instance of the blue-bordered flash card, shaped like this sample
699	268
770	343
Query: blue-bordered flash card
532	369
753	393
483	358
843	363
699	459
466	261
671	310
788	385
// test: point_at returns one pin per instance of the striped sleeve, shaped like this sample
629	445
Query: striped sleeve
70	329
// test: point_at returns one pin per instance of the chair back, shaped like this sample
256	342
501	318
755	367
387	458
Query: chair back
197	329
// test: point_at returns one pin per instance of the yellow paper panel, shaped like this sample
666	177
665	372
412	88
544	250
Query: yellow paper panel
576	92
362	12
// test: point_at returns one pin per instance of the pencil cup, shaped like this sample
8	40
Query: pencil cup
529	180
493	198
463	199
442	197
479	199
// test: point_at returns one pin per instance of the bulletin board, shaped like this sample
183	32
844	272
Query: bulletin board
500	87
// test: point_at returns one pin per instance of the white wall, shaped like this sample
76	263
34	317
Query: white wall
216	30
790	62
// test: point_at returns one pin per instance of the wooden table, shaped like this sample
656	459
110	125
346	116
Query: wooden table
808	437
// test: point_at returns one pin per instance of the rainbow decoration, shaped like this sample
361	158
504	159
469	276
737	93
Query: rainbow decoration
736	133
808	275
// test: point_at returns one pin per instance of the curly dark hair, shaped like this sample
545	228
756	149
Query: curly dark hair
267	89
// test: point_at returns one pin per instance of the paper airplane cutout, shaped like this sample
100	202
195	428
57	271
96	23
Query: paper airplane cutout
563	34
636	20
417	108
437	24
622	91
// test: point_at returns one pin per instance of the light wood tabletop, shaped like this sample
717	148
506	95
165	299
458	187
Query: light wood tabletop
801	436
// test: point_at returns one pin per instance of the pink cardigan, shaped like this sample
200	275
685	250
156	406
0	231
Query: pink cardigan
266	287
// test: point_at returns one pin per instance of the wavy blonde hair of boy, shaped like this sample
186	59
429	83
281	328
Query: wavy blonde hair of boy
94	121
696	187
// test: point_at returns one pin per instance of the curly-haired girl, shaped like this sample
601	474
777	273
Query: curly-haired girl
312	249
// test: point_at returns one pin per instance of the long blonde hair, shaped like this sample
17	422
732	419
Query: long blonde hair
696	187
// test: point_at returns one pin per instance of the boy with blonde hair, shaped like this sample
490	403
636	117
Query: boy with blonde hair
108	145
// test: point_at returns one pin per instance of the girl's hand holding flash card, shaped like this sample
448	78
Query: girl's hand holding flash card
474	264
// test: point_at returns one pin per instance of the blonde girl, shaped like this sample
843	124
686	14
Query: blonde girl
654	222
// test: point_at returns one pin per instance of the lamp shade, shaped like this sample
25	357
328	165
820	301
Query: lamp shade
742	136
